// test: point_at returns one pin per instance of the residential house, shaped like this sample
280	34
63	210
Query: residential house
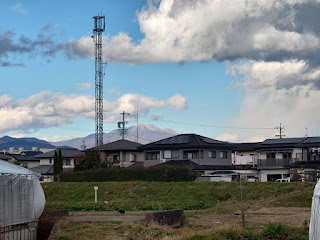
68	155
46	172
307	162
244	155
281	158
27	159
122	153
198	149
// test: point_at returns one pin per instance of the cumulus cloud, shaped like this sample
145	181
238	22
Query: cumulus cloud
83	86
188	30
11	44
278	92
47	109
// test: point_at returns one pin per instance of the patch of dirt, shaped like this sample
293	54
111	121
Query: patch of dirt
286	216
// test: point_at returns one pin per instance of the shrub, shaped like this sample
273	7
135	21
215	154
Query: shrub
116	174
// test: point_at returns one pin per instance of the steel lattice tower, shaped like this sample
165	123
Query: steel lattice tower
99	27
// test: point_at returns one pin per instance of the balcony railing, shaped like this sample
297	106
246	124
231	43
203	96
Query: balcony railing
274	162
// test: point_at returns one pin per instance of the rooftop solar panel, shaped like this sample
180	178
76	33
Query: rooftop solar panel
282	141
175	140
211	141
312	140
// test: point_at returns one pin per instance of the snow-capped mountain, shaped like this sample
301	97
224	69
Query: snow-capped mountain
147	133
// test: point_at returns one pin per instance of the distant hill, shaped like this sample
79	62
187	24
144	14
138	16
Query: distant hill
147	133
27	143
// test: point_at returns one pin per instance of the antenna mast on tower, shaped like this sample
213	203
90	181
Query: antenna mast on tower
99	27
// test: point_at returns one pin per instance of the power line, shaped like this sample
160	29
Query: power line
213	126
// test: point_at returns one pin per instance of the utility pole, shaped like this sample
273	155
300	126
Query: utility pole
122	125
137	124
83	146
99	27
281	130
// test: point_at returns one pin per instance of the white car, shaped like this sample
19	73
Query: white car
283	180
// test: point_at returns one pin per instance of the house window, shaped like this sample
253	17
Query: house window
66	162
201	154
25	165
133	157
152	156
50	161
116	157
170	154
286	155
271	155
212	154
223	154
190	155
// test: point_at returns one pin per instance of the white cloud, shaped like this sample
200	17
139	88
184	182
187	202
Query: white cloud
278	92
18	8
58	138
47	109
229	137
83	86
189	30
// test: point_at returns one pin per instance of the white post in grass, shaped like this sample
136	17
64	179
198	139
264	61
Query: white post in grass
95	193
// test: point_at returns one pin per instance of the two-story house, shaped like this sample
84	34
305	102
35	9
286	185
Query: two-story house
68	155
198	149
122	153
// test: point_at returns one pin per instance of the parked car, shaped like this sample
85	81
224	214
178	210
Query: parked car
283	180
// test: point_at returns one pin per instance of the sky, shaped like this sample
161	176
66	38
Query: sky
231	70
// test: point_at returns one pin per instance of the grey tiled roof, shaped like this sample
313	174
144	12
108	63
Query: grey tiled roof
43	169
186	141
180	163
66	153
120	145
25	158
4	157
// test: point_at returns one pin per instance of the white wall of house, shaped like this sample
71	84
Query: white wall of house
50	161
30	164
244	158
264	173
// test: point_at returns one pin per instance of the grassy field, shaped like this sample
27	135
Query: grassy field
213	209
169	195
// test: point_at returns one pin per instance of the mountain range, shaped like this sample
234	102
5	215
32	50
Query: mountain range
147	133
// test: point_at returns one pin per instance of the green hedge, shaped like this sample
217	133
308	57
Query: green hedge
115	174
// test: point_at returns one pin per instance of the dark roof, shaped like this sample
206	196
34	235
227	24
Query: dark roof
4	157
120	145
43	169
186	141
180	163
65	152
217	167
25	158
30	153
313	164
291	142
246	146
136	164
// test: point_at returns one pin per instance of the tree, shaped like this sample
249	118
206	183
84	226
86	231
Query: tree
57	165
91	159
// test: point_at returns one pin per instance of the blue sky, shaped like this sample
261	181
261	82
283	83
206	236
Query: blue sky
194	62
